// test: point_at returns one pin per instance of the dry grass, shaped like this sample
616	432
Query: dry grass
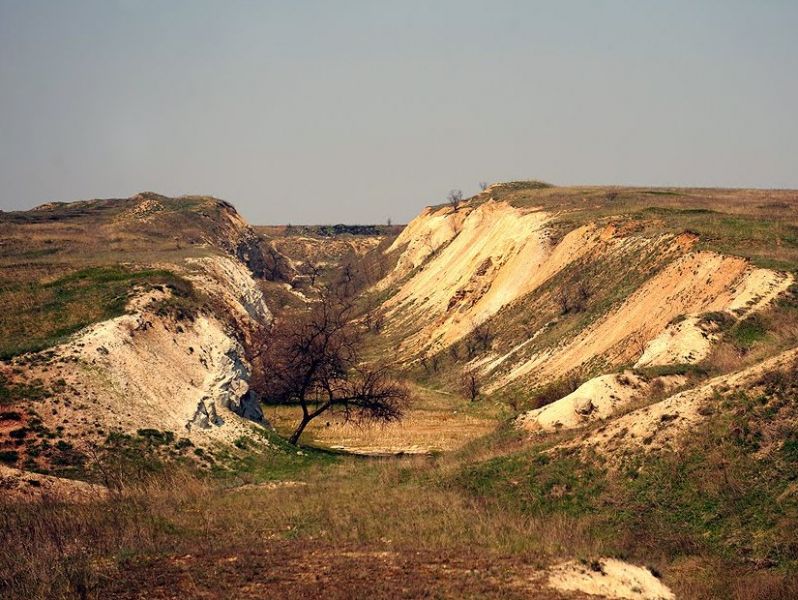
367	507
64	551
433	422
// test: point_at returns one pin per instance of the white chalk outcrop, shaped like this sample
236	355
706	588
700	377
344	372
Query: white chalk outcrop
152	369
457	269
598	398
609	578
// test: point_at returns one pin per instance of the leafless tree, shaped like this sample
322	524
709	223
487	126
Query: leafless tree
347	283
454	198
563	301
313	360
638	341
483	335
583	293
479	341
312	270
471	386
454	352
483	185
276	267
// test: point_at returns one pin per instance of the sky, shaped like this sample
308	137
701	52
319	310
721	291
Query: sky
357	112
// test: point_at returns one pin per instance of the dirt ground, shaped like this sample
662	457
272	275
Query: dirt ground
303	570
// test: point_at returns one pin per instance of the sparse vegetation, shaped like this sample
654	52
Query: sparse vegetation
38	314
471	385
454	199
705	506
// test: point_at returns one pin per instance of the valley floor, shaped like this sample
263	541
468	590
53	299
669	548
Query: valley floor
311	524
309	570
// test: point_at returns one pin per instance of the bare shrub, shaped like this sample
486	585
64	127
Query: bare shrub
556	390
471	385
454	199
312	270
480	340
276	266
563	301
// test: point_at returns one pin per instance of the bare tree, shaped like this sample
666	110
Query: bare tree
454	352
479	341
312	270
454	198
638	342
276	266
583	293
471	386
483	335
483	185
564	301
313	360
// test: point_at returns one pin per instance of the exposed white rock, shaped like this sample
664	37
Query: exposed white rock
187	375
609	578
598	398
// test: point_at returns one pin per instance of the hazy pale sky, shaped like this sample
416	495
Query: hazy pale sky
335	111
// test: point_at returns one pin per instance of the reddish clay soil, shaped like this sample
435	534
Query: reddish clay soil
307	570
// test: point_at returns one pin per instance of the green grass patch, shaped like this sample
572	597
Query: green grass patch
727	492
535	483
12	392
35	315
749	331
675	369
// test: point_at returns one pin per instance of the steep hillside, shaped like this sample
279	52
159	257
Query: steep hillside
308	257
125	321
526	283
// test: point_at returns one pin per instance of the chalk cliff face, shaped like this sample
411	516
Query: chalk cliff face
457	270
151	369
526	295
175	360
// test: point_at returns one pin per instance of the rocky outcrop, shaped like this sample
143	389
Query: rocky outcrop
178	372
458	270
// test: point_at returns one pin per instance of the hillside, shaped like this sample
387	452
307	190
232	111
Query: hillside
603	400
123	322
529	285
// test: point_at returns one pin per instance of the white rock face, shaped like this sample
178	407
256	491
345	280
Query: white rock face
609	578
189	376
224	277
597	398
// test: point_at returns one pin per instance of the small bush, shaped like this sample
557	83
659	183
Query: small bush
555	390
718	318
156	437
749	331
9	456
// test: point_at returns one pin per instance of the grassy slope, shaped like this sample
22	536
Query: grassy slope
69	265
35	315
758	224
761	225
